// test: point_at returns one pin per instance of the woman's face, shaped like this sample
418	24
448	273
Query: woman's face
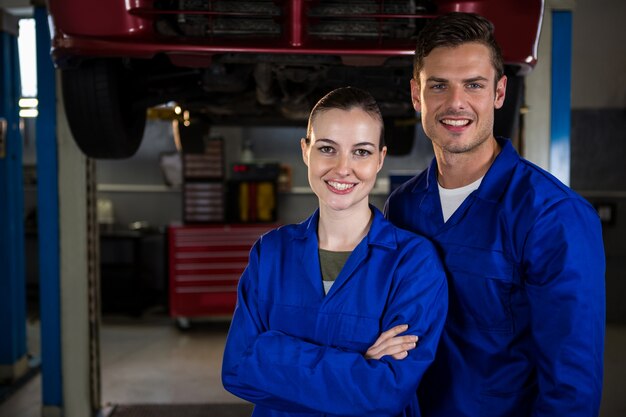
343	157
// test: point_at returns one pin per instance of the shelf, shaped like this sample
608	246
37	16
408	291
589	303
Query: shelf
382	188
137	188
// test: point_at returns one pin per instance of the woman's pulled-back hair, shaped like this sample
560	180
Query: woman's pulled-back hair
348	98
454	29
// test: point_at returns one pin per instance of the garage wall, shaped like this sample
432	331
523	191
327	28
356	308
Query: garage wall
598	137
121	181
153	203
599	96
599	61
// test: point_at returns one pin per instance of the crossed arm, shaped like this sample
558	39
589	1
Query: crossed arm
389	343
275	370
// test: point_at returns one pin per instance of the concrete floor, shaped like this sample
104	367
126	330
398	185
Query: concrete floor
145	361
152	362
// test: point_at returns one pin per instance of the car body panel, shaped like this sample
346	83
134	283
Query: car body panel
129	29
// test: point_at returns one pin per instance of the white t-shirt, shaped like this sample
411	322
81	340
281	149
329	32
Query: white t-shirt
452	198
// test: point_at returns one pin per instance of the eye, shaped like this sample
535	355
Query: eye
438	86
326	149
475	86
362	152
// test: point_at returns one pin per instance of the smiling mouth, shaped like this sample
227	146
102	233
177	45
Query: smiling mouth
340	186
455	122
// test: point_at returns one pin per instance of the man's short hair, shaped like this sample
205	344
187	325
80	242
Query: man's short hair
454	29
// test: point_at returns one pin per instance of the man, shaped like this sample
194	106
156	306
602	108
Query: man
524	254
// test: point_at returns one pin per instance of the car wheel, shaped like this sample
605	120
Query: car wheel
103	108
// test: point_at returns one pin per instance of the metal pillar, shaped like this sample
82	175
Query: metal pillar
68	253
13	360
48	223
561	95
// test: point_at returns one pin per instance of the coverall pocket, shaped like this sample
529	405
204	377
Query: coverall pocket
510	404
480	286
356	333
297	321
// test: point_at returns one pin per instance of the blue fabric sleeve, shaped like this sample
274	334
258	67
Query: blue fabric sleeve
565	267
278	371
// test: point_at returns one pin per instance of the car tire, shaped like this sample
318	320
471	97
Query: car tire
103	108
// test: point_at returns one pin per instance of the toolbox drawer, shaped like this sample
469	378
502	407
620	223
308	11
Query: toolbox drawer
206	263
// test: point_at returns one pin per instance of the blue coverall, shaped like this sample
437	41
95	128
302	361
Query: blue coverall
292	350
525	263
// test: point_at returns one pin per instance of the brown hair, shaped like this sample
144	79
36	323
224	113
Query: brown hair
454	29
348	98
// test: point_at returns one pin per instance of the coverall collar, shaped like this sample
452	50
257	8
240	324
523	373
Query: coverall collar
493	184
381	232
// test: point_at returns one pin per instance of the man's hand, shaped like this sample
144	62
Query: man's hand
389	343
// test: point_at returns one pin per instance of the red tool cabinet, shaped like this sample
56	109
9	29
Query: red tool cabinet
205	265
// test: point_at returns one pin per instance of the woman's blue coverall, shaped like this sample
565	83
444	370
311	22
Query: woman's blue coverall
291	350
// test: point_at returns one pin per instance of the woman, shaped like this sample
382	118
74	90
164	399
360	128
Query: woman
315	296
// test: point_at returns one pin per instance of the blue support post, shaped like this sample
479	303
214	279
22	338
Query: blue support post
48	219
561	95
13	363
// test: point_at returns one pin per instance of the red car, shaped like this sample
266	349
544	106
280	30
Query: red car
256	61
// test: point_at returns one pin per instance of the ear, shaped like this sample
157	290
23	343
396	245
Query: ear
305	151
383	153
415	95
500	92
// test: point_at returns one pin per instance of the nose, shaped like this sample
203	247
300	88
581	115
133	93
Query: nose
344	164
456	98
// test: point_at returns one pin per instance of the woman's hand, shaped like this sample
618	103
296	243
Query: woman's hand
389	343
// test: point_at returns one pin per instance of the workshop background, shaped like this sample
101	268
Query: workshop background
150	358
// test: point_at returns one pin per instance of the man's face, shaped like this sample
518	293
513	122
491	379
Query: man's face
455	95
